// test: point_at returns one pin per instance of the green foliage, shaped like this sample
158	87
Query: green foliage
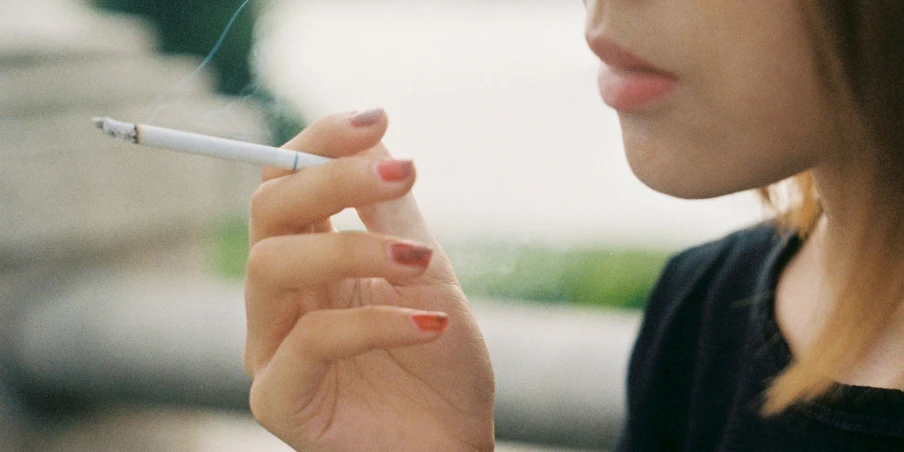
594	277
228	248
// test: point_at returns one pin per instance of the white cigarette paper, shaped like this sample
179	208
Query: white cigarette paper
194	143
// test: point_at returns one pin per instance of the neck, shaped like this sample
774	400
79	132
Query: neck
857	233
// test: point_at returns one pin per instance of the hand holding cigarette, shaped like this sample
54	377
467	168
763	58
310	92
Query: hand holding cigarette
358	340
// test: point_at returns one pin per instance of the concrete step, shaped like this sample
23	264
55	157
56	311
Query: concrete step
100	81
51	30
65	185
134	428
560	372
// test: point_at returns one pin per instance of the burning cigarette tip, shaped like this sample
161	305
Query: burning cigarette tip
116	129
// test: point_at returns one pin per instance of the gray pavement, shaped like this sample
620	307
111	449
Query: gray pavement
130	428
175	339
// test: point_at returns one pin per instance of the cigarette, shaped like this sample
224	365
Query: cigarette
194	143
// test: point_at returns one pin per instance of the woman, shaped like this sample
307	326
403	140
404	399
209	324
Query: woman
782	337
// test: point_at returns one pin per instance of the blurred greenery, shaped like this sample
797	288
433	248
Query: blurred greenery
193	27
620	278
228	247
603	277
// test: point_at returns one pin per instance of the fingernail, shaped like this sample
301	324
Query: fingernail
393	170
410	254
427	321
366	118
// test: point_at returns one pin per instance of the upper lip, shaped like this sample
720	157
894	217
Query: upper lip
616	57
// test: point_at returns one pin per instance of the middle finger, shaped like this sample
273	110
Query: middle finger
288	204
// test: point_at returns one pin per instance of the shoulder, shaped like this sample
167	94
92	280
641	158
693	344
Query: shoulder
703	301
702	285
746	251
693	334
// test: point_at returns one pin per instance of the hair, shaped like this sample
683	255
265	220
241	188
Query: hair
859	46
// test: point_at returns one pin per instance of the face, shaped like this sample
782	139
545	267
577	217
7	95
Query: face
714	96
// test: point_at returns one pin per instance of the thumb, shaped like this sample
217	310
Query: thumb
400	217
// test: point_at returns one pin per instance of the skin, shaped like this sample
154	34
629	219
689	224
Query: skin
750	110
747	110
336	361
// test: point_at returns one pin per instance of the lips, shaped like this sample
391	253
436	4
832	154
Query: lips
631	91
627	82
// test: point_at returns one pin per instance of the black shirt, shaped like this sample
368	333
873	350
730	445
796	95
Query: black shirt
707	349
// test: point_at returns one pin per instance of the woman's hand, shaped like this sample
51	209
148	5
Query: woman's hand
359	341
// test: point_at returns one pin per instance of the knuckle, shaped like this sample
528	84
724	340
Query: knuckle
370	320
350	181
355	249
336	176
261	197
348	246
308	334
260	260
259	404
318	137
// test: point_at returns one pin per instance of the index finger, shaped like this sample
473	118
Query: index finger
336	135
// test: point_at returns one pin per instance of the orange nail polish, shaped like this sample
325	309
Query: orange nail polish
430	322
394	170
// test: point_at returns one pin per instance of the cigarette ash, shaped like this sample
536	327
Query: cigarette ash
117	129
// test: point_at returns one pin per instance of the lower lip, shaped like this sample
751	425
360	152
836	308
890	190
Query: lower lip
631	91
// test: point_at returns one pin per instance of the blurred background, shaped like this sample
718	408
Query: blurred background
121	312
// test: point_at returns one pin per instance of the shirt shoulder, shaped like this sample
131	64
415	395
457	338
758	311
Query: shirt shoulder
709	345
732	269
694	335
744	253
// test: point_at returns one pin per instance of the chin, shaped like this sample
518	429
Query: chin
694	178
690	169
675	178
683	186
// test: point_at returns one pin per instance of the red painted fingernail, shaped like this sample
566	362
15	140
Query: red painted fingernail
366	118
394	170
410	254
426	321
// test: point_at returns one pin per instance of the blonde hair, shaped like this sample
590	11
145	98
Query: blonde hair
858	48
